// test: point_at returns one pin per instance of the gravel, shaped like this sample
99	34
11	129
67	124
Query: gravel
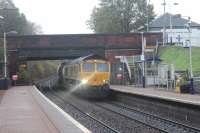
114	120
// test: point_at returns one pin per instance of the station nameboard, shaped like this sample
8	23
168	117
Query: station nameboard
14	77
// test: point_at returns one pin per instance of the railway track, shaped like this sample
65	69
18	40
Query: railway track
120	110
162	124
100	119
178	112
100	124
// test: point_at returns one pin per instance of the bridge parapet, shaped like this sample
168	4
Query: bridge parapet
37	47
84	41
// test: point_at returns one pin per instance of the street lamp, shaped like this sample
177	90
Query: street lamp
164	30
164	26
5	50
148	3
143	61
190	46
171	27
5	82
188	26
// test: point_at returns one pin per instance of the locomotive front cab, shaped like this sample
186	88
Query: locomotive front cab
95	72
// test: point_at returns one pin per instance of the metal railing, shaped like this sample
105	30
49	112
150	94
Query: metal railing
197	84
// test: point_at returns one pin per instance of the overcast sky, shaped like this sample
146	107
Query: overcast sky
69	16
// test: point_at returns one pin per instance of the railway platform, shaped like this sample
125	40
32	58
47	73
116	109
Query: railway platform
159	93
25	110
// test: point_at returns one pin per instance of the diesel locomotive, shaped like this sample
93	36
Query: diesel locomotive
89	76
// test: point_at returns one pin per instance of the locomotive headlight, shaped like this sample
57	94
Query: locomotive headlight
106	81
84	81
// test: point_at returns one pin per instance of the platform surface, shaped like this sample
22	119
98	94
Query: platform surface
160	93
20	112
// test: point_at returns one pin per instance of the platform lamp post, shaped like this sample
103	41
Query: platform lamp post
143	61
171	25
148	3
190	46
5	83
1	18
190	55
164	27
5	51
164	4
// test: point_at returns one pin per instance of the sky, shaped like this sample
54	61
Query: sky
70	16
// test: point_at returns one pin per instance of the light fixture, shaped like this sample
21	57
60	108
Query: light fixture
84	81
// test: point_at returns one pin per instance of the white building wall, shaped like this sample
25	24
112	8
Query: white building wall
181	36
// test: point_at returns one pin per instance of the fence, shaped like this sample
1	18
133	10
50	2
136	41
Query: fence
197	81
197	84
119	74
49	82
160	75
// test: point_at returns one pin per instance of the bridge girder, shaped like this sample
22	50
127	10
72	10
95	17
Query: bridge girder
38	47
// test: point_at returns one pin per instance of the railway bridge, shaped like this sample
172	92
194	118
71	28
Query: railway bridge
69	46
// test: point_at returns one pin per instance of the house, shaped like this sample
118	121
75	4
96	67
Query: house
177	29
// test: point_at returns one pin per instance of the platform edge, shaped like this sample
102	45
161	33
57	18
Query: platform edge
67	116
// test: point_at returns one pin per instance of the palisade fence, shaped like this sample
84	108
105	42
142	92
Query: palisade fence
119	74
197	81
47	83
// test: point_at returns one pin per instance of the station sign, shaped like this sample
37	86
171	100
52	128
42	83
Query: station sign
14	77
119	76
149	50
23	66
142	58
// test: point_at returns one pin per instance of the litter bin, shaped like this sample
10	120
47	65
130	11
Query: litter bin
4	83
191	83
185	88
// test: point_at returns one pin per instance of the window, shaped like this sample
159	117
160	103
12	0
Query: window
88	67
102	67
66	71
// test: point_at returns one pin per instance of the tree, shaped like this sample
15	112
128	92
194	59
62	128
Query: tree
24	74
13	20
120	16
42	69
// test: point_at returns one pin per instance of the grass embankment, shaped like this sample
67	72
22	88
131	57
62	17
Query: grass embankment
179	56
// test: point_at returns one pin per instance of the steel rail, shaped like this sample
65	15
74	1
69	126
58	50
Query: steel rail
130	118
88	115
153	117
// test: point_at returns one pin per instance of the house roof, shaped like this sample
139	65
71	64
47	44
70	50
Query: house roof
177	21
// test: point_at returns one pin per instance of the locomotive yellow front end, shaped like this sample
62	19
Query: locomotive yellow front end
95	73
89	76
